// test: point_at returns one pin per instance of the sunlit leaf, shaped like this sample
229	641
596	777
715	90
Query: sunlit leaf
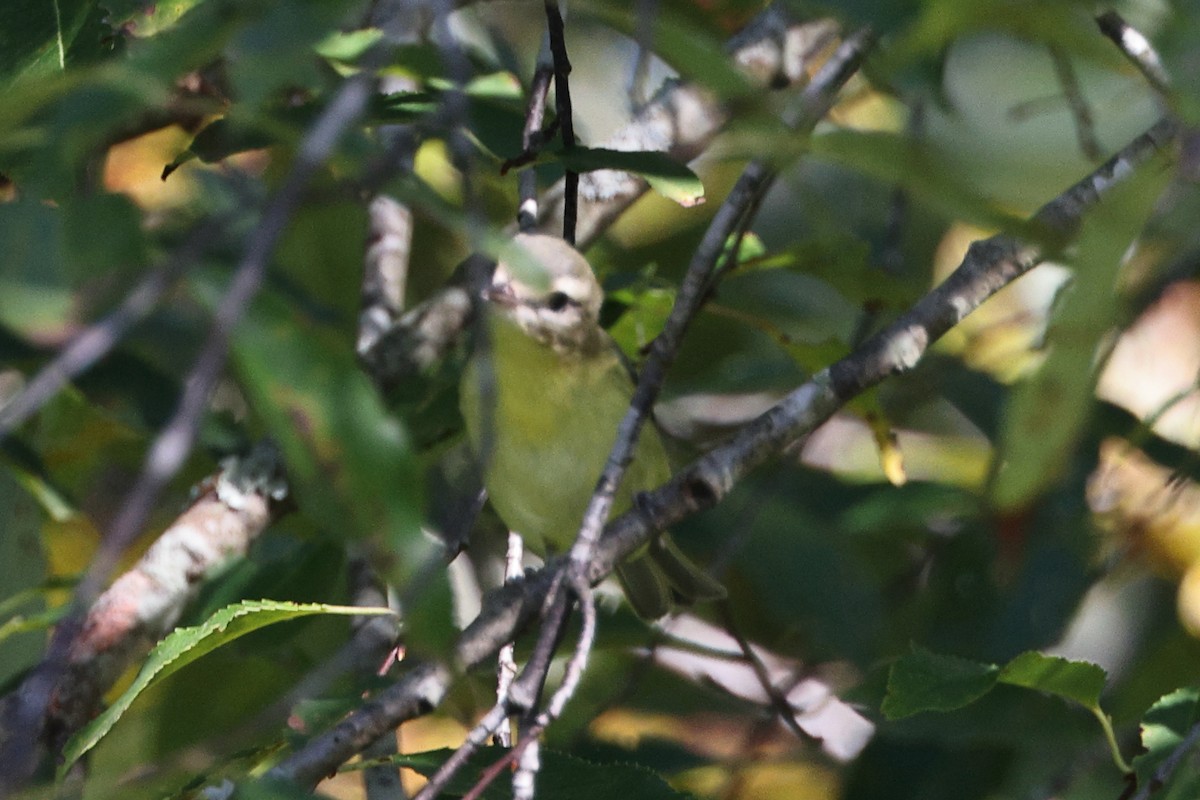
1077	681
185	645
665	175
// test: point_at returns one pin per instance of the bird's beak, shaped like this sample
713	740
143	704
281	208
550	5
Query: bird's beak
501	294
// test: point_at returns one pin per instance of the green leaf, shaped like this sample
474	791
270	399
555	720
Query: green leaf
561	775
35	294
102	233
37	37
665	175
185	645
925	681
798	308
1047	412
350	461
348	46
1164	727
1077	681
693	51
920	168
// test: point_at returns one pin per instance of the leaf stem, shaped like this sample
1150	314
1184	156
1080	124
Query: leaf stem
1111	737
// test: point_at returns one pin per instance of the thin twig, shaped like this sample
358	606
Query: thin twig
98	340
1081	112
562	106
532	137
745	195
1137	48
783	708
988	266
522	696
506	663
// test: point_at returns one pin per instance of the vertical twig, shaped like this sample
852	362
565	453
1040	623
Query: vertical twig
1081	112
506	663
562	105
815	101
1137	48
531	135
385	269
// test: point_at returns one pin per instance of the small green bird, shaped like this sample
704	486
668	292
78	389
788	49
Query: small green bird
542	397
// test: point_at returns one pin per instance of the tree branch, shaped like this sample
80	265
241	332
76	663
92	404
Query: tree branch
682	120
988	266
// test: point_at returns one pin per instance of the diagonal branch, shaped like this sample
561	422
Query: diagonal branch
988	266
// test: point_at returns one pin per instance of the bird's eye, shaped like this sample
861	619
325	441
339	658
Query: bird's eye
557	301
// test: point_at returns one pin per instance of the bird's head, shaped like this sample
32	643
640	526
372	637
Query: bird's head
548	291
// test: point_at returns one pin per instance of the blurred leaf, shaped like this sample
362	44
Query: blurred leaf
924	681
645	314
796	307
37	37
1048	411
348	46
664	174
35	294
185	645
561	776
274	51
350	463
918	168
102	233
842	262
144	18
695	52
21	579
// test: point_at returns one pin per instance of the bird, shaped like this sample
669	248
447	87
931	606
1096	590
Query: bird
542	394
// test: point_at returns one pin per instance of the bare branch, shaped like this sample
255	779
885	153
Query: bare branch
385	271
988	266
144	604
566	121
531	135
1137	49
